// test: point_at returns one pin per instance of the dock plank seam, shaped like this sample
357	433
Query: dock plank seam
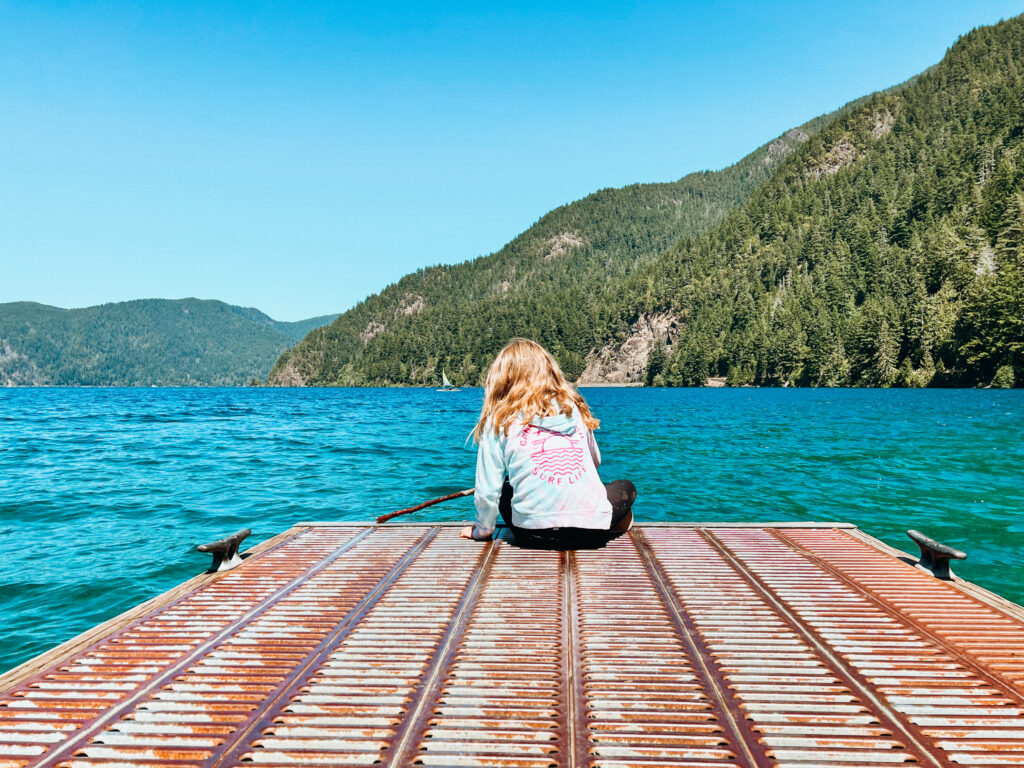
909	730
425	697
724	705
962	586
237	745
577	745
22	675
964	655
82	736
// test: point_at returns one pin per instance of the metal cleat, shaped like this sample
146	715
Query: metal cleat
935	557
225	551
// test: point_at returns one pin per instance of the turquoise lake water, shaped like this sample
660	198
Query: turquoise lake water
105	492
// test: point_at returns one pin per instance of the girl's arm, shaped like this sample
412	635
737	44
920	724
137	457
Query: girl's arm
595	452
490	474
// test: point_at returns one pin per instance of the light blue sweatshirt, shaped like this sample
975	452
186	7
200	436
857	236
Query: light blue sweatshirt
552	466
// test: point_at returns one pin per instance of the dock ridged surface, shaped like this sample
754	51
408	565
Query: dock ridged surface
685	645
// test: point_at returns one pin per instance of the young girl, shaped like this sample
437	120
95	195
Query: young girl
536	429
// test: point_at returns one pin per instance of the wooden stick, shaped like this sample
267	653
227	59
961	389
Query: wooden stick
425	504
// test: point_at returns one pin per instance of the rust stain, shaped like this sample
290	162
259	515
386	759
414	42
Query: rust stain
404	646
969	628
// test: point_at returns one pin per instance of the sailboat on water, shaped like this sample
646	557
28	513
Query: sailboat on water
447	386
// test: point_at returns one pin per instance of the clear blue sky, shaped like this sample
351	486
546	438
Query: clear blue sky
298	156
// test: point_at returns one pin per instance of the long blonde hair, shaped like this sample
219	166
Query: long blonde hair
525	381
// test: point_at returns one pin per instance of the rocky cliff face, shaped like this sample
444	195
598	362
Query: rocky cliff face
16	370
288	375
625	362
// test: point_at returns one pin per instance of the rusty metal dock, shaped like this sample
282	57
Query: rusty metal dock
690	645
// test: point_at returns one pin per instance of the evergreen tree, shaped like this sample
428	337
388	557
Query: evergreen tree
655	364
1010	243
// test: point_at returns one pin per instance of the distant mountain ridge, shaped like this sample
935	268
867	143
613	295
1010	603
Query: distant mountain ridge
146	342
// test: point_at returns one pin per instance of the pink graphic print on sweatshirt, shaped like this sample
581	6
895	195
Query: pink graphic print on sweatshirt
555	455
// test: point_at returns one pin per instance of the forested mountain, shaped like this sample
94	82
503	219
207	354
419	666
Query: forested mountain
142	343
885	249
552	282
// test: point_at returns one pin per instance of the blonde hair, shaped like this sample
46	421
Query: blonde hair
525	381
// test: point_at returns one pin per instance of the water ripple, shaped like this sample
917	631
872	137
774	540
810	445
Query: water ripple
105	492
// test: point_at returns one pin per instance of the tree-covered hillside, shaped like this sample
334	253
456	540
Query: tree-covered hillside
886	251
883	250
141	343
553	283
